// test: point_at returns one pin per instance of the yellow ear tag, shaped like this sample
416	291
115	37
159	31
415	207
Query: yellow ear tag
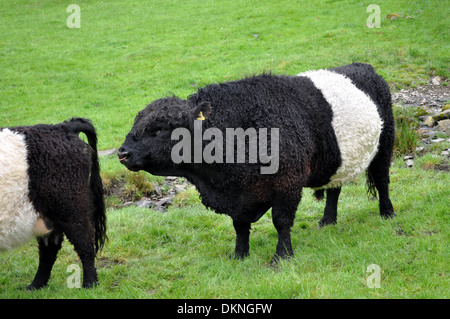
200	116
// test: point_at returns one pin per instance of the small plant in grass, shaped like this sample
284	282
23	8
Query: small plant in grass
120	184
430	161
137	185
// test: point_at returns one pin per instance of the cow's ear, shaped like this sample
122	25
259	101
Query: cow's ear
202	111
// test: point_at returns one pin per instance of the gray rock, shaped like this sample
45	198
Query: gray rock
429	96
444	126
110	152
157	189
429	121
438	140
430	134
444	115
165	201
162	204
180	187
145	203
410	163
436	80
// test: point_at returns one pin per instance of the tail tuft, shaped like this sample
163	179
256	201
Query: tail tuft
371	189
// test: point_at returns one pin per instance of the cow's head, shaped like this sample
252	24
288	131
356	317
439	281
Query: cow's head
148	145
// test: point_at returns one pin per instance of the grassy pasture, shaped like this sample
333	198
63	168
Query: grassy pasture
128	53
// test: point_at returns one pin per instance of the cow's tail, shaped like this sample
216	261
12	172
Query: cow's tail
370	183
77	125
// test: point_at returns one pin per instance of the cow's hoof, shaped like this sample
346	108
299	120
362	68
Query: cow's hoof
325	222
387	215
238	256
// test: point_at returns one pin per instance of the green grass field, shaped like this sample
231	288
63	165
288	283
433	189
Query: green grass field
128	53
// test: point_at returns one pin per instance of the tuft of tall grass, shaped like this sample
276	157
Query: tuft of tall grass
121	184
406	136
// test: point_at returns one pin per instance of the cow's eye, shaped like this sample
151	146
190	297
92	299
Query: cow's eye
155	133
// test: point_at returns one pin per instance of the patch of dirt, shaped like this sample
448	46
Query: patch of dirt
442	167
116	189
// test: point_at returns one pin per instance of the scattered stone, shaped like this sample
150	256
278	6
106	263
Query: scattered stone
436	97
410	163
429	134
157	189
436	80
180	187
429	121
422	130
444	115
163	204
164	201
444	126
144	202
171	178
110	152
438	140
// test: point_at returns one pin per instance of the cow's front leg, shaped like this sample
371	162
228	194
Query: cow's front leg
242	239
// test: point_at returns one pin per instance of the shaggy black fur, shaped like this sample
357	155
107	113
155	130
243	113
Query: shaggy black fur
66	189
309	153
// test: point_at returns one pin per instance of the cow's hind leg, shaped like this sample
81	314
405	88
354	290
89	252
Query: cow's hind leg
49	246
81	234
283	215
80	231
378	177
330	212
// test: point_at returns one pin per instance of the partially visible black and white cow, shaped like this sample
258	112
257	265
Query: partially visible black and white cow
50	185
334	124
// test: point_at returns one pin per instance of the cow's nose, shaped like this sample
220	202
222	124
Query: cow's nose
123	155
